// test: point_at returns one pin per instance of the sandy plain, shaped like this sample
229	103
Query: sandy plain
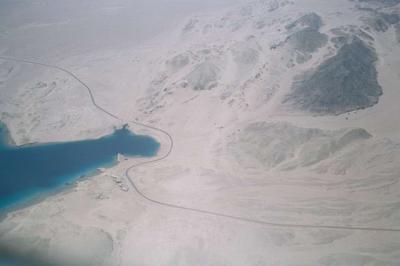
250	180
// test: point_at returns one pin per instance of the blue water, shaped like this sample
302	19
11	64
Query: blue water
27	172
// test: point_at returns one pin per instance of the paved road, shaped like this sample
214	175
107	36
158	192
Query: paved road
163	157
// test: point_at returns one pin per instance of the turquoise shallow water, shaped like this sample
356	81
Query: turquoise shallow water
28	172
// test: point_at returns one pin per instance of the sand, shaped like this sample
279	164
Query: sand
215	81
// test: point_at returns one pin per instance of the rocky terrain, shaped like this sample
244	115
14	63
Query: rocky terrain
284	121
343	83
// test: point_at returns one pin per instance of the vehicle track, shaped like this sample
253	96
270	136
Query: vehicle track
180	207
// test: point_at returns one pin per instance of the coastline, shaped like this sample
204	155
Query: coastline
46	194
71	182
6	136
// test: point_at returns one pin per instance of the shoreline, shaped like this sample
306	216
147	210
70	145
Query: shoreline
72	182
65	188
6	138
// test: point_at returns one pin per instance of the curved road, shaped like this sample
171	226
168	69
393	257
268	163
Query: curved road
175	206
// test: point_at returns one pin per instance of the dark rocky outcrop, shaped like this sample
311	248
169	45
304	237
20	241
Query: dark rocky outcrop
384	2
343	83
381	22
343	38
307	40
390	18
304	37
310	20
397	30
378	24
203	77
339	41
178	61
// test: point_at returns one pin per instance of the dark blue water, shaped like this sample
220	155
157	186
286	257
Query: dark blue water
30	171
